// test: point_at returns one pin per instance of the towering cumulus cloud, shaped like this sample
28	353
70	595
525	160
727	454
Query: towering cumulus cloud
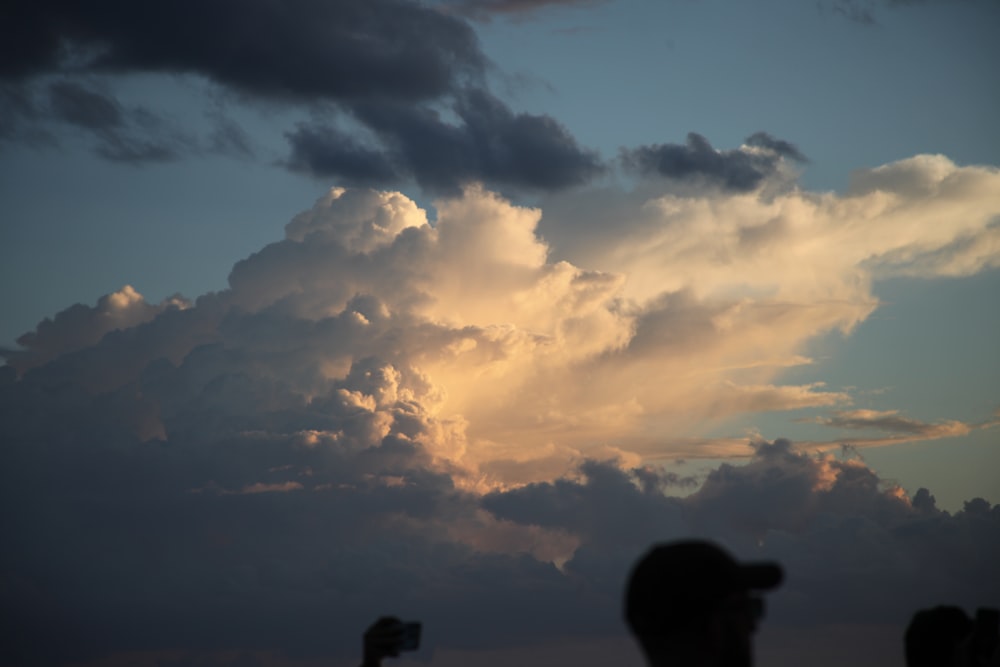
467	422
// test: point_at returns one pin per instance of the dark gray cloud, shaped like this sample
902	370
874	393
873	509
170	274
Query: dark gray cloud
326	152
238	526
392	64
738	169
843	534
489	143
780	146
296	49
484	9
228	137
252	516
41	113
84	108
148	146
606	509
18	113
124	135
858	11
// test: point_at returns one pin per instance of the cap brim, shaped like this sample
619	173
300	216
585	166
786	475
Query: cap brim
761	576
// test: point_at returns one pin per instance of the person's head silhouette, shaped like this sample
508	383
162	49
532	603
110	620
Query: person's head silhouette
690	603
933	636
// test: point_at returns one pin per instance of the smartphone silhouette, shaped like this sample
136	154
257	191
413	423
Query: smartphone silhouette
411	637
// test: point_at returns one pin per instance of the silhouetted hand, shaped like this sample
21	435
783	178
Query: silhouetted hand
382	640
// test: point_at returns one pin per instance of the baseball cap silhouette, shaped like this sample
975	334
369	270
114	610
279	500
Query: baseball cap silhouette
933	635
676	583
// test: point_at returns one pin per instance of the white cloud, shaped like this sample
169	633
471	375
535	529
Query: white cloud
607	318
360	220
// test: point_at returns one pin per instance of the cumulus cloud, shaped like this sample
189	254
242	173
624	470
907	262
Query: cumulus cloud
923	216
496	312
479	412
784	505
81	326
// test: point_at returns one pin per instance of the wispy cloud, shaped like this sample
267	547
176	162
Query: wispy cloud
865	12
897	428
889	420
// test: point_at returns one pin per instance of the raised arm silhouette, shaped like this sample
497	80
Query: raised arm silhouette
385	638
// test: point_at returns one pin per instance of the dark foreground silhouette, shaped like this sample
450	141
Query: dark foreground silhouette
687	603
691	604
386	638
945	636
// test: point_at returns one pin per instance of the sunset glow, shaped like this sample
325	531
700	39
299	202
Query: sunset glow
323	312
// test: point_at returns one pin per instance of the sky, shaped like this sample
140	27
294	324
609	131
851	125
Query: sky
314	312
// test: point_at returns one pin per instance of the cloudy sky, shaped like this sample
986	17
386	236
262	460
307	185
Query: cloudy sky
316	311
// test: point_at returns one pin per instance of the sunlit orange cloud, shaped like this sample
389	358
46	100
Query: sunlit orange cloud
700	301
619	325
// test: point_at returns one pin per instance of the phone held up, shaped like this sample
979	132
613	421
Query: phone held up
411	637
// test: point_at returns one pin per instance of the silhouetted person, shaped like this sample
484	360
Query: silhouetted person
689	604
933	636
382	639
945	636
